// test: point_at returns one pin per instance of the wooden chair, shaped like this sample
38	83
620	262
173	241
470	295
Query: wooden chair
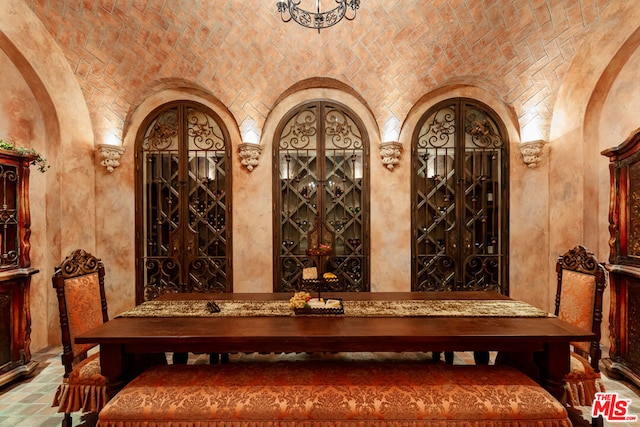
79	285
581	283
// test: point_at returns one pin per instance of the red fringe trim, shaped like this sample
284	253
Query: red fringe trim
583	392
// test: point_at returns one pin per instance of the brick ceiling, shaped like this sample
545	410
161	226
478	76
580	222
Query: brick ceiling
394	52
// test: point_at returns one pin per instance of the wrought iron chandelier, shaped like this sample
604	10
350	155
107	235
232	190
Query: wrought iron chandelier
290	9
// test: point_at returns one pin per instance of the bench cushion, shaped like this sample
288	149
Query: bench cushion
318	393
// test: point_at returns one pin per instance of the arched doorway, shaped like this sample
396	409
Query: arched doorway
460	199
183	202
321	179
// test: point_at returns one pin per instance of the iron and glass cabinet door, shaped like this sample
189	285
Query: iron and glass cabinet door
459	216
183	230
321	188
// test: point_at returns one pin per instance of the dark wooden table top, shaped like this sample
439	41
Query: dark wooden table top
335	333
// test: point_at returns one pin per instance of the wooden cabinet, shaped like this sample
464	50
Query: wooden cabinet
624	260
15	267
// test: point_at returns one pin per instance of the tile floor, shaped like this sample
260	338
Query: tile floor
27	403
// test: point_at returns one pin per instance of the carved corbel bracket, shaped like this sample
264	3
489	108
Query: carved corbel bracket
531	152
110	155
390	153
250	154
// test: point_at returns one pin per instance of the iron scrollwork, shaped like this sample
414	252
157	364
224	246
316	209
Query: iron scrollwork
439	130
162	277
483	132
299	132
203	131
162	132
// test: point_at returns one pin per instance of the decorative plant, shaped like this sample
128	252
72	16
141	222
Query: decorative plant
39	161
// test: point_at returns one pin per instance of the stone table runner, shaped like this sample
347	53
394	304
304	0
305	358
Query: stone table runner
409	308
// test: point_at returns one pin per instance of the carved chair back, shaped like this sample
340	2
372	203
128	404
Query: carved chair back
79	285
581	283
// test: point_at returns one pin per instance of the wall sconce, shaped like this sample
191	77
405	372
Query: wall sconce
250	153
391	129
390	153
111	155
531	152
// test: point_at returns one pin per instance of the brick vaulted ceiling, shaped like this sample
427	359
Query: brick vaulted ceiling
393	53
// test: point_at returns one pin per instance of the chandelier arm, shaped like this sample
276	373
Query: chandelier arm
284	8
283	18
350	19
354	5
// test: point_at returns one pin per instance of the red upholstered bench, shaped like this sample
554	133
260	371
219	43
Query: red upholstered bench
321	393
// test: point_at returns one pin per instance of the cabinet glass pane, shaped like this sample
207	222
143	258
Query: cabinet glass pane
207	203
633	325
9	217
633	205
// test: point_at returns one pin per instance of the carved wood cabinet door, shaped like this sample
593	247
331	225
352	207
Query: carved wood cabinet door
183	200
15	268
624	260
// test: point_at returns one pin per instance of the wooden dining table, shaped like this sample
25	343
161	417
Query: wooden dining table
540	344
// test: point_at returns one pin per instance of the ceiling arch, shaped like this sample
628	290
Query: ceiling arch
391	54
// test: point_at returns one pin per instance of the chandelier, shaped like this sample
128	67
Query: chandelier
290	9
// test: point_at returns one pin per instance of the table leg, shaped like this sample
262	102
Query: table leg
112	366
547	367
481	357
554	363
524	361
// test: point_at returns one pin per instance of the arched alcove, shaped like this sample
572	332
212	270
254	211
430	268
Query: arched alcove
529	192
59	224
384	233
116	191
